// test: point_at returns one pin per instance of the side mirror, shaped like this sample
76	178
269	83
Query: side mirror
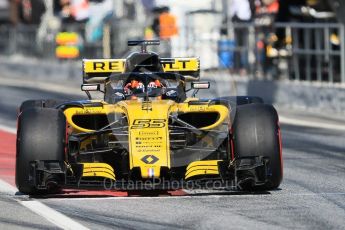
201	85
90	87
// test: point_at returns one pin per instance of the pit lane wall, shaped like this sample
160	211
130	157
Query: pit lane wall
312	96
59	72
315	96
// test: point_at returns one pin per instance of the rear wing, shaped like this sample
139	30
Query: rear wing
97	70
188	67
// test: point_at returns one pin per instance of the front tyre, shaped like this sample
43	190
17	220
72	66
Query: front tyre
256	133
41	135
48	103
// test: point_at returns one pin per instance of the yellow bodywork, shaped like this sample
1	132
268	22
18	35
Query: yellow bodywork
98	170
148	131
198	168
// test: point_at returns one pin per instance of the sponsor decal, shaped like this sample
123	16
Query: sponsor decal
104	65
148	123
149	159
180	64
89	111
146	105
151	172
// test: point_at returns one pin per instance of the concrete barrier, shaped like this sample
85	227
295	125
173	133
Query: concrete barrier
302	95
41	70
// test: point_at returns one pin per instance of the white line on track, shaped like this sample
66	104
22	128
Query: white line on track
8	129
7	188
311	124
53	216
37	207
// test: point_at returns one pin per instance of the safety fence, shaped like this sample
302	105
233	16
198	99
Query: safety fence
41	42
295	51
318	51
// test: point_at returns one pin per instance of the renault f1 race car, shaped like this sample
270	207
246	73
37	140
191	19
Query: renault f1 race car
147	133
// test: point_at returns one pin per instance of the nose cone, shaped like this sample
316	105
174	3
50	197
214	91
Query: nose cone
149	147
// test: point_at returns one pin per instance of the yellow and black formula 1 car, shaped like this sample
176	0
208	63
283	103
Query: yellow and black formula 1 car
147	133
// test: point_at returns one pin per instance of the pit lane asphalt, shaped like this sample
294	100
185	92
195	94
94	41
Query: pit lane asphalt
312	194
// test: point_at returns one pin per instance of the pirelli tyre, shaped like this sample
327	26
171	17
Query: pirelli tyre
256	132
235	101
39	104
41	135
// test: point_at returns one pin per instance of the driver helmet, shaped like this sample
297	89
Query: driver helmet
154	88
134	86
154	84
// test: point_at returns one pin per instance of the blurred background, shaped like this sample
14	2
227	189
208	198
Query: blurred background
264	39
